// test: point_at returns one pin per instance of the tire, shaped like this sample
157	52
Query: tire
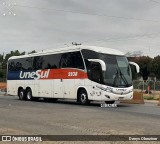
21	94
109	102
29	95
83	97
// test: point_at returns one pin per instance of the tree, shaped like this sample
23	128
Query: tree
13	53
155	66
144	63
32	52
3	62
1	58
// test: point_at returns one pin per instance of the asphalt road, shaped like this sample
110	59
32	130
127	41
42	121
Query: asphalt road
68	117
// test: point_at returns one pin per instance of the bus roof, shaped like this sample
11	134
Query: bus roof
73	48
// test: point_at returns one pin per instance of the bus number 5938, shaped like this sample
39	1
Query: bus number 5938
72	73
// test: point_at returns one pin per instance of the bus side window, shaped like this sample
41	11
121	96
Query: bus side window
51	61
77	60
65	61
19	66
11	65
71	60
27	63
37	62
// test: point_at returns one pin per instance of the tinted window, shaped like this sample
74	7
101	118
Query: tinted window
66	60
27	63
20	64
37	62
89	54
95	72
51	61
11	65
71	60
77	59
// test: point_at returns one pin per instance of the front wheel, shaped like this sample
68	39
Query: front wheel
83	97
109	102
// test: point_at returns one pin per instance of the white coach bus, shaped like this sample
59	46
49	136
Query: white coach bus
83	73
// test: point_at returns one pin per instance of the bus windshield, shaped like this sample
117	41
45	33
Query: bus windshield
118	72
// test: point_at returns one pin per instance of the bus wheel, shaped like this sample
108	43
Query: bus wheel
83	97
29	95
109	102
21	94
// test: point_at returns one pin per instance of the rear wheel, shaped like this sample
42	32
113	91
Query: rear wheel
109	102
29	95
21	94
83	97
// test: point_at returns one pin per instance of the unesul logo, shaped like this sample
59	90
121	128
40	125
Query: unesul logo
39	74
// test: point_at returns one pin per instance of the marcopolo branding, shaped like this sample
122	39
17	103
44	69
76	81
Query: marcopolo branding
39	74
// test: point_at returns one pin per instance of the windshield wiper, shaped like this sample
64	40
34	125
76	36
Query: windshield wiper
123	77
115	78
117	74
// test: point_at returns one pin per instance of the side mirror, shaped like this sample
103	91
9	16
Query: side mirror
136	65
102	63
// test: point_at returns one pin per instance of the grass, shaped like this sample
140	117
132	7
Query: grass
150	98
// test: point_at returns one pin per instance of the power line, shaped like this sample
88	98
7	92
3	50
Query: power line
87	13
126	38
154	1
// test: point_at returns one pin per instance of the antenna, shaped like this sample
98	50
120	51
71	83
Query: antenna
76	44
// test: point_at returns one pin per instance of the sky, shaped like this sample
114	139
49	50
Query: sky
126	25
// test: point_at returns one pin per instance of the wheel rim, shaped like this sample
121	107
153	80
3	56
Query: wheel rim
83	97
21	95
29	95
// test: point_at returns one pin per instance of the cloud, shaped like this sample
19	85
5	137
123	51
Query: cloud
51	24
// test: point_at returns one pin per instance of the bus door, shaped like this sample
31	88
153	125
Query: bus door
95	75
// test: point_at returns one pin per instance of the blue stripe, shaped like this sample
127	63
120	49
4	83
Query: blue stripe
15	75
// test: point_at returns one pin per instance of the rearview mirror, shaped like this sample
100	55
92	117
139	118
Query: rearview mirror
136	65
102	63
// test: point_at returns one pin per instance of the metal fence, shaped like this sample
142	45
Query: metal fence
144	85
3	80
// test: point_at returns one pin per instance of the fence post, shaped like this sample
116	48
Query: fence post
148	89
159	100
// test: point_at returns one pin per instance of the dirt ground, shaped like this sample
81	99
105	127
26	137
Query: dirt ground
3	85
